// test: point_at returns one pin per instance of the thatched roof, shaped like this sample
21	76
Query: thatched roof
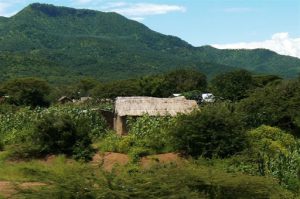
137	106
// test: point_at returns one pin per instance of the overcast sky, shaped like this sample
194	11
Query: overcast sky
272	24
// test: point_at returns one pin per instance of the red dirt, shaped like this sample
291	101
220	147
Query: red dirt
6	189
108	160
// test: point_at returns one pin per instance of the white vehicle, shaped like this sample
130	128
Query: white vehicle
208	97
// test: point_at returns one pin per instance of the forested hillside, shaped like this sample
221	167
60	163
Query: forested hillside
65	44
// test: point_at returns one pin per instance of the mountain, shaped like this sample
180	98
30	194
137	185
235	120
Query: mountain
64	44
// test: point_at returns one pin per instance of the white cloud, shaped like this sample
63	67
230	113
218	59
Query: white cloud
115	4
3	9
135	11
137	18
281	43
144	9
83	1
7	7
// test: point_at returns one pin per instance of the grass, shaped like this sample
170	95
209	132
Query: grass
67	178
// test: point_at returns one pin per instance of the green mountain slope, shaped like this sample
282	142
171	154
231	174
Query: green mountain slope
258	60
63	44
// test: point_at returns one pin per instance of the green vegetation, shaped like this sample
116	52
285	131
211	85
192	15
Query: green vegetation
178	81
27	91
213	131
244	145
233	85
67	179
64	45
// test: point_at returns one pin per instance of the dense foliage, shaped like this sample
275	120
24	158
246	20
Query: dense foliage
233	85
27	91
276	104
215	130
164	85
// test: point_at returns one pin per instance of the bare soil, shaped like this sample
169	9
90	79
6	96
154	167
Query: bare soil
108	160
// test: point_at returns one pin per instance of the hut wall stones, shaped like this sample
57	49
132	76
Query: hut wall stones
138	106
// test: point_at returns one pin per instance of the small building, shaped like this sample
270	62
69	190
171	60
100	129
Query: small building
85	99
138	106
64	99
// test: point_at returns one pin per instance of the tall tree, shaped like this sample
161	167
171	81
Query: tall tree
27	91
232	85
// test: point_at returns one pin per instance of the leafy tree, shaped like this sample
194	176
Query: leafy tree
184	80
152	86
27	91
215	130
177	81
275	105
85	86
263	80
232	85
116	88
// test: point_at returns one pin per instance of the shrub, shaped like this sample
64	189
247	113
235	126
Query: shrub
60	135
276	153
138	152
54	134
168	181
215	130
270	140
115	143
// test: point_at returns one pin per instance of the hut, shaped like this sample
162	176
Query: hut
64	99
138	106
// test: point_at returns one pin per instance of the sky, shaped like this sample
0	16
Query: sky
271	24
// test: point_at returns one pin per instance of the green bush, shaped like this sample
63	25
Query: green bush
113	142
215	130
60	135
54	134
138	152
276	153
